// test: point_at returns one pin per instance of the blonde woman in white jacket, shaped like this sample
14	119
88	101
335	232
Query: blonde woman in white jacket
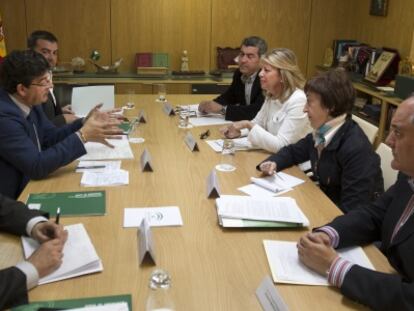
281	120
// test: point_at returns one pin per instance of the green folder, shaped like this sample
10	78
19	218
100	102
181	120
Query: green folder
74	303
70	203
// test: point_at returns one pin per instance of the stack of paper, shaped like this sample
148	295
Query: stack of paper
106	178
79	255
243	211
97	166
287	268
203	119
98	151
271	185
240	144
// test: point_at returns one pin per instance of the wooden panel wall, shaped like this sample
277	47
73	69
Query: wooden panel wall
120	28
281	23
14	23
80	25
162	26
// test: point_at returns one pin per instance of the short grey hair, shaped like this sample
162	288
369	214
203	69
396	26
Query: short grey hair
257	42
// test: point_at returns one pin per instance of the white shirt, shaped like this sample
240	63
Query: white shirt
280	124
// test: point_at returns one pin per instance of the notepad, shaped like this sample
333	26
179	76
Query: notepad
115	301
70	203
277	182
250	211
98	151
79	255
287	268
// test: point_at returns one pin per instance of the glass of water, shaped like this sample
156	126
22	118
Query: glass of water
227	157
162	92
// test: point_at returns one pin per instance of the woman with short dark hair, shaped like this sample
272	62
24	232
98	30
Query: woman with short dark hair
343	161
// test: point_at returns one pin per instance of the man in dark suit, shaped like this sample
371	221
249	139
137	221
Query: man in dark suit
46	43
390	219
244	98
17	219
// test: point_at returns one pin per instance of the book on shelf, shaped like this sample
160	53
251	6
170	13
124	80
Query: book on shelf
71	203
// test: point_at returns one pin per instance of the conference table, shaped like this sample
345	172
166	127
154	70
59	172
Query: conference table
212	268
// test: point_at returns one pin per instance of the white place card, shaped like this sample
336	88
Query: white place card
190	142
269	297
146	250
156	216
146	161
213	189
142	116
168	109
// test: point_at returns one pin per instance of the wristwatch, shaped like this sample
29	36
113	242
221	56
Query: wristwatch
223	110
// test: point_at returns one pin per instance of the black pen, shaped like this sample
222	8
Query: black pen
57	216
89	167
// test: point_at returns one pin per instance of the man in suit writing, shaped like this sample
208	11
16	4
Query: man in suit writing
17	219
390	219
244	98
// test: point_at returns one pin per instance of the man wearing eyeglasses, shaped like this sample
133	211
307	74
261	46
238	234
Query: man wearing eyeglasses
31	147
244	98
46	43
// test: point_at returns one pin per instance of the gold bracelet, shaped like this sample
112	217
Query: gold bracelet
82	137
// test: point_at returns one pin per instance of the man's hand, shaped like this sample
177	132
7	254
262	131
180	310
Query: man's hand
48	230
209	106
268	168
67	109
315	253
48	257
100	126
69	118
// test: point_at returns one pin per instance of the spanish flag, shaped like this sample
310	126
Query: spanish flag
2	41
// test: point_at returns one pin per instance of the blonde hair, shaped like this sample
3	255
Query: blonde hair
284	60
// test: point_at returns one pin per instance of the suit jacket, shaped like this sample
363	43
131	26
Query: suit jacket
20	158
348	170
234	99
13	219
381	291
53	112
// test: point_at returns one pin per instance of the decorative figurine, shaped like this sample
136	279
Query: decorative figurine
184	61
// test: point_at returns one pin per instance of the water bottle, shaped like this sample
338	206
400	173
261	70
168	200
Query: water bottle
159	298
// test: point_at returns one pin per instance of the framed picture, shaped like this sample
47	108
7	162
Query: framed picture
378	7
379	67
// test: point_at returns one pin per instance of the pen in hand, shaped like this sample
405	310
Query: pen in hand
57	216
89	167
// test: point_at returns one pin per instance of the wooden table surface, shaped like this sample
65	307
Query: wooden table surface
211	268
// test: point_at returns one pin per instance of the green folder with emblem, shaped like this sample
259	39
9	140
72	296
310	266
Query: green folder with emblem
71	203
74	303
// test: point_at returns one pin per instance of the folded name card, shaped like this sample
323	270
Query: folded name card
168	109
146	244
269	297
142	117
213	190
190	142
146	161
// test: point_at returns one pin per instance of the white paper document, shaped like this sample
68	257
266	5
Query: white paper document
106	178
156	216
97	166
98	151
277	182
281	209
201	119
116	306
240	144
84	98
257	191
79	255
287	268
